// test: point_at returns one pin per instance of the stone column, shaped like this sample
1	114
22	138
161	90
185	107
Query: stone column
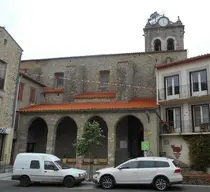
111	143
51	121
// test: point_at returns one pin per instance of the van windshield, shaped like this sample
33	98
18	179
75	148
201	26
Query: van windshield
62	165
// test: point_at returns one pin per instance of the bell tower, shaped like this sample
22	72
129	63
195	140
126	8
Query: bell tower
161	34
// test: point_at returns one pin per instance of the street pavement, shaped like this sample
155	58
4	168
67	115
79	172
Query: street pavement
7	185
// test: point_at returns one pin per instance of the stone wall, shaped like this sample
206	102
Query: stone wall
111	120
10	53
85	71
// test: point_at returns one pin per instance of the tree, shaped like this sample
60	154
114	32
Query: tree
91	136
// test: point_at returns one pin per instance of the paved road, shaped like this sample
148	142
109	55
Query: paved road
13	186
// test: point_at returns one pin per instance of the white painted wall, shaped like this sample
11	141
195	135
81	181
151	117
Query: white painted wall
179	142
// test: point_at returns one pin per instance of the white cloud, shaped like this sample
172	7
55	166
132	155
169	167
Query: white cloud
52	28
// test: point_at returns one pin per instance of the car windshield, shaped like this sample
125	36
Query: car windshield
62	165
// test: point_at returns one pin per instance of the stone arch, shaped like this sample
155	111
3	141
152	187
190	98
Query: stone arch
129	135
100	152
65	137
37	136
170	44
157	44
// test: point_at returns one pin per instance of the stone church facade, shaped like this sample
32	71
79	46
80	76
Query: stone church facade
117	90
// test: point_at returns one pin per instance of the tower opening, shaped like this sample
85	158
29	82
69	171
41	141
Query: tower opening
157	45
170	44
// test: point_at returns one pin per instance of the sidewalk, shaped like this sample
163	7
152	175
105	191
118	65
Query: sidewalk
5	175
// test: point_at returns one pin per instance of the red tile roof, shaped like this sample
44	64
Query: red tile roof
184	61
95	95
144	103
53	90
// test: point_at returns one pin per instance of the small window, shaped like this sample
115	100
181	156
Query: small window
104	78
35	164
130	165
3	68
59	80
49	165
162	164
32	95
146	164
20	93
5	41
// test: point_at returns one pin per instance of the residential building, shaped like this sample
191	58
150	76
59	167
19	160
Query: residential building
30	92
10	56
116	90
183	95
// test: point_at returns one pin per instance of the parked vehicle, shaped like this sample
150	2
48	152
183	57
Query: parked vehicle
158	171
45	168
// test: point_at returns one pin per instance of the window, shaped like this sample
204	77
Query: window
104	78
59	80
199	83
172	87
173	117
157	45
170	44
130	165
175	164
3	68
146	164
5	41
161	164
20	93
35	164
49	165
200	114
32	95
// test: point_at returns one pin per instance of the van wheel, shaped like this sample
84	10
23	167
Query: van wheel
161	183
69	182
25	181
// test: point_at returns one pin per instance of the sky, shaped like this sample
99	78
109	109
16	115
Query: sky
59	28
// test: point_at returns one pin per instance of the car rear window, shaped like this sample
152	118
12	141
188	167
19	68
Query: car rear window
175	164
161	164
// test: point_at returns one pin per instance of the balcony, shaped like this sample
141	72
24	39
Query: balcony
186	126
184	91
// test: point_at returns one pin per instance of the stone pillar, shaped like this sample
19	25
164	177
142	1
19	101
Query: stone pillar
111	143
125	80
74	83
51	135
22	134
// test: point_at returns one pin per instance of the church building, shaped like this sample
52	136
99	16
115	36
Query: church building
116	90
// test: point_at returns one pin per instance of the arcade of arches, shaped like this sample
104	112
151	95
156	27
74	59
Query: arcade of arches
128	136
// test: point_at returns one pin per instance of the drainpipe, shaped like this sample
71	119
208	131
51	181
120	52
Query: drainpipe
15	103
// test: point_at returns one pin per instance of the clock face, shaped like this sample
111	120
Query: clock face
163	21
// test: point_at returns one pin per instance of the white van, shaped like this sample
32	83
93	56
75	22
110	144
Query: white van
40	167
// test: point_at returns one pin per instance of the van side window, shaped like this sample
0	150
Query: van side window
49	165
35	164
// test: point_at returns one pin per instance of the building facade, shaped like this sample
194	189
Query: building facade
10	56
30	92
183	95
118	91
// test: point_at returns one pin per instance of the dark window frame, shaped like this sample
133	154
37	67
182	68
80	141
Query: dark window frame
57	82
36	162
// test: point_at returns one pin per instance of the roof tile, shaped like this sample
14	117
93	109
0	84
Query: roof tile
138	103
95	95
184	61
53	90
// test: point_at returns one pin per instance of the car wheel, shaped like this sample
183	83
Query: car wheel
107	182
69	182
25	181
161	183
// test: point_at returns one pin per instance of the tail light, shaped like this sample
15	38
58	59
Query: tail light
177	171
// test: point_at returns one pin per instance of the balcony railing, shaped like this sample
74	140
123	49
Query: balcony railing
184	91
185	126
